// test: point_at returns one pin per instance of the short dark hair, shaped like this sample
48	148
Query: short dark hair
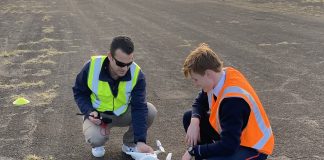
122	42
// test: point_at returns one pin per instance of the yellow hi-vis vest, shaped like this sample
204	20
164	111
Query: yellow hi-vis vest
102	97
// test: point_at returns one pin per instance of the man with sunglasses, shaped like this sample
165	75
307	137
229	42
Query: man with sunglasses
114	87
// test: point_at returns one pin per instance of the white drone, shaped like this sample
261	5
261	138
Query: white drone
150	156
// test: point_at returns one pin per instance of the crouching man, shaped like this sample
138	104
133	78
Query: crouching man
227	121
113	86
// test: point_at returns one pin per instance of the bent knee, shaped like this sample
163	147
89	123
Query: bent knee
152	112
96	140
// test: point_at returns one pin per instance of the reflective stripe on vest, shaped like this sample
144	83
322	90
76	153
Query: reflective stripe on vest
124	88
267	132
96	72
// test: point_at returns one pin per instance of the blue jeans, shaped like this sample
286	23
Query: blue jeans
209	135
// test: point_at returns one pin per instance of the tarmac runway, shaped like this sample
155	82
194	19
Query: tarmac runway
278	45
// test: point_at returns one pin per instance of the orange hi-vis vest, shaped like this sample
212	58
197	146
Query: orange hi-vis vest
257	134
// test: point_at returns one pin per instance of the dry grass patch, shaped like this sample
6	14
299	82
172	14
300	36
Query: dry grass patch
51	51
13	53
34	157
44	40
38	60
22	85
39	98
21	8
48	52
43	72
37	11
37	7
48	29
6	62
46	97
14	97
46	18
11	8
19	22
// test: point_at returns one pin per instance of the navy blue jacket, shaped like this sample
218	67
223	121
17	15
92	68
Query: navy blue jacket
138	104
233	114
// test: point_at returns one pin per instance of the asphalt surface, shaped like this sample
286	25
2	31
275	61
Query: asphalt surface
44	44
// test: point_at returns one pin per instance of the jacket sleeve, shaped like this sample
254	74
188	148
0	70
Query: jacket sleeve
139	109
200	105
82	92
232	121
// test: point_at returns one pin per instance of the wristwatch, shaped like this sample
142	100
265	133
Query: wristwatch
191	151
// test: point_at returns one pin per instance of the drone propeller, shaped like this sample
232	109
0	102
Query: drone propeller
159	145
168	156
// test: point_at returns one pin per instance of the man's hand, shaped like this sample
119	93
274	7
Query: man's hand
186	156
193	132
143	148
95	119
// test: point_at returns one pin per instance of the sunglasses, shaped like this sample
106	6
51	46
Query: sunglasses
121	64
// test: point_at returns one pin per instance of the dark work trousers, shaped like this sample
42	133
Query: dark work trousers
209	135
